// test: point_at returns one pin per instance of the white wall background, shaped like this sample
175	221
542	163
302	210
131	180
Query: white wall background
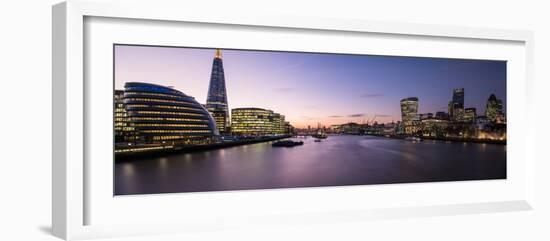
25	101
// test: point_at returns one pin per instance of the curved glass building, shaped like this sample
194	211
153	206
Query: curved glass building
493	108
162	114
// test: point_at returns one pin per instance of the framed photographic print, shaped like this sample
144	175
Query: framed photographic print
301	119
199	121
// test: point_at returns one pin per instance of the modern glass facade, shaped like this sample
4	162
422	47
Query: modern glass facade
161	114
493	110
256	122
124	132
278	123
456	106
216	101
434	127
409	114
470	115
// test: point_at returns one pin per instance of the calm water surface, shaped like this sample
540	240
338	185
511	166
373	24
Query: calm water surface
338	160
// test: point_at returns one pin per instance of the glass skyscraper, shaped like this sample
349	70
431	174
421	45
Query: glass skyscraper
494	108
216	102
456	106
409	114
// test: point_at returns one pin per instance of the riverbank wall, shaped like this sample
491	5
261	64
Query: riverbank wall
171	150
451	139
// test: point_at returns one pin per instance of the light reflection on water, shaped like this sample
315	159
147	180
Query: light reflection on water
338	160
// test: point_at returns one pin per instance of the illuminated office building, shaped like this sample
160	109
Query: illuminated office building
470	115
493	109
456	106
434	127
256	122
278	123
124	132
409	114
216	102
409	109
164	115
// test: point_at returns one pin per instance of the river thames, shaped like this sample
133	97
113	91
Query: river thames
337	160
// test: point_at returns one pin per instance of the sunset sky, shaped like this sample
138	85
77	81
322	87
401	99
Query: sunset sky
311	88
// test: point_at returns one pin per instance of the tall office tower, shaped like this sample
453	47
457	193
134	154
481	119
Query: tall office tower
409	109
409	114
216	102
456	106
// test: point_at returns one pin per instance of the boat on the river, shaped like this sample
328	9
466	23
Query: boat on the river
413	138
287	143
317	140
320	135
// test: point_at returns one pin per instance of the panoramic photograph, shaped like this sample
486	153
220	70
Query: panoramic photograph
205	119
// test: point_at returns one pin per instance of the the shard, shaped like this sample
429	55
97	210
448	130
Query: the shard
216	102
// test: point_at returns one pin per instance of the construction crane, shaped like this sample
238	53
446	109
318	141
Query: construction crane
374	118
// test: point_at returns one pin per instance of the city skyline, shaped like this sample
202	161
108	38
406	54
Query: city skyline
311	88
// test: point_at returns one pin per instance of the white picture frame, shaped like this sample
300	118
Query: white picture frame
72	187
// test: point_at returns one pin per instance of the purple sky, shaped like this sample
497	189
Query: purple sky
311	88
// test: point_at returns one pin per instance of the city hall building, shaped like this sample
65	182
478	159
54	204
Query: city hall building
159	114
